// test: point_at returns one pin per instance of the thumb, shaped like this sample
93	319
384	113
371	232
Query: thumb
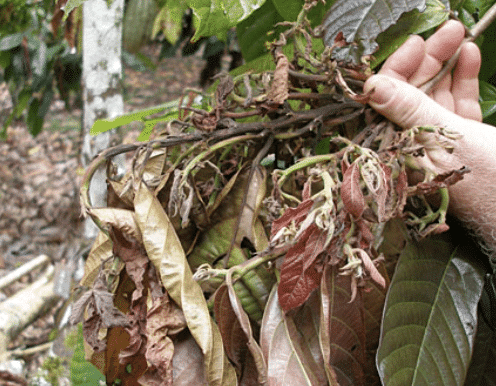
405	104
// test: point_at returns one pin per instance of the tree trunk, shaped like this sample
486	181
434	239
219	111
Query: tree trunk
102	85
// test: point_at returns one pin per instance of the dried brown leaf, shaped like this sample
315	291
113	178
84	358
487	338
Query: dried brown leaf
279	90
102	313
162	318
166	253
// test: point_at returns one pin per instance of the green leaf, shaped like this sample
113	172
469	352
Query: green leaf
83	373
253	32
216	17
167	255
430	315
361	22
482	370
70	5
22	101
410	23
289	10
487	100
169	21
11	41
34	121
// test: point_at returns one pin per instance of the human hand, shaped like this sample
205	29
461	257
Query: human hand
453	105
416	62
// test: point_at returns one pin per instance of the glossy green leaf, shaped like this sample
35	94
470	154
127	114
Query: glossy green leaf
166	253
487	100
289	10
253	32
361	22
215	17
482	371
288	360
430	315
413	22
11	41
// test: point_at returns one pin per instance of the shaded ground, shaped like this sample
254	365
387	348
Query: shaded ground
39	179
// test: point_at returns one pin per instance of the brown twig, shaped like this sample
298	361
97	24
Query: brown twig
473	34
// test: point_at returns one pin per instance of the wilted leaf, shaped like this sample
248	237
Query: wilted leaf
361	22
301	271
161	318
233	337
121	219
136	263
342	329
187	362
279	88
165	251
101	313
351	192
291	216
430	315
101	251
286	361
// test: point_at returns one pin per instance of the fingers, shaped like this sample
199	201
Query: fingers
465	87
405	104
438	48
405	60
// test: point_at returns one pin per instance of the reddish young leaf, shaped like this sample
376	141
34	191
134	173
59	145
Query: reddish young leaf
300	271
342	331
351	192
233	337
291	215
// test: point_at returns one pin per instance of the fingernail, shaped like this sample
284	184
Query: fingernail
382	88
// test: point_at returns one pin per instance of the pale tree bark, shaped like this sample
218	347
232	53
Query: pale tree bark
102	84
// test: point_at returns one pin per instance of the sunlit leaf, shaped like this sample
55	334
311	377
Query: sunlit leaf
430	315
122	219
101	251
215	17
169	21
165	251
361	22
